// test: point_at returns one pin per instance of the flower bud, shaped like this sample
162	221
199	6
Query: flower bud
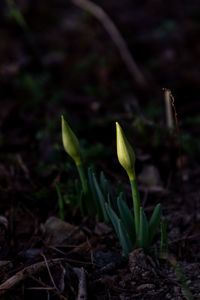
70	142
125	153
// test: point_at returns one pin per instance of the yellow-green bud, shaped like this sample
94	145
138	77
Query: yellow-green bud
125	153
70	142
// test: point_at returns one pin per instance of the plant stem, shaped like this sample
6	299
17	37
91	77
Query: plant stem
60	202
81	172
164	241
136	205
182	280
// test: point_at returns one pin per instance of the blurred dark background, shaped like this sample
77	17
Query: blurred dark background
55	45
58	58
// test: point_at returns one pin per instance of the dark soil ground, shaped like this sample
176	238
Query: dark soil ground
62	61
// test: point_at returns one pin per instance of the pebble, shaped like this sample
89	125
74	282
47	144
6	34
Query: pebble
58	232
150	176
145	287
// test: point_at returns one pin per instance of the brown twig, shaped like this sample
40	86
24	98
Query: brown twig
25	273
175	114
178	133
82	288
168	108
168	97
50	275
46	287
117	38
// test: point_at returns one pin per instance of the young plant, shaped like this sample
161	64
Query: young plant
187	293
95	196
72	147
132	231
92	194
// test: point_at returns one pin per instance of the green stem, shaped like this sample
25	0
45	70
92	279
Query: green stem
181	278
83	178
136	205
60	202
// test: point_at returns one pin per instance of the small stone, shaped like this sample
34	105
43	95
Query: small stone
145	287
60	232
102	228
30	253
103	258
150	176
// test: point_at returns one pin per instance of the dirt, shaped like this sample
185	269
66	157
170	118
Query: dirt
62	61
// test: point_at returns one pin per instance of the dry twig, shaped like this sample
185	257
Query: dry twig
50	275
168	109
25	273
82	287
115	35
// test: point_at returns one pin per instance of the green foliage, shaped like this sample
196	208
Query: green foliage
92	200
187	293
120	231
154	221
143	239
14	13
61	202
132	231
94	196
125	220
164	240
100	196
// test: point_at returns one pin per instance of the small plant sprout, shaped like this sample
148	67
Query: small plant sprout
72	147
95	196
92	194
70	142
126	158
132	231
188	295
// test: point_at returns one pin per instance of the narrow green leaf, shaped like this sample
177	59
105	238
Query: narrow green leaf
60	202
164	239
100	198
182	279
109	201
154	221
93	193
107	190
78	186
126	217
113	217
143	239
80	202
124	239
120	230
121	190
105	186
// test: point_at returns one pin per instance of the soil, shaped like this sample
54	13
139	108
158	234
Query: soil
60	60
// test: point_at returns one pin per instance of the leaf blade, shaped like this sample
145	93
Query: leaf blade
154	221
126	217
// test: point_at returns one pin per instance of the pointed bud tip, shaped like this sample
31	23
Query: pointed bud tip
117	125
125	153
70	142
